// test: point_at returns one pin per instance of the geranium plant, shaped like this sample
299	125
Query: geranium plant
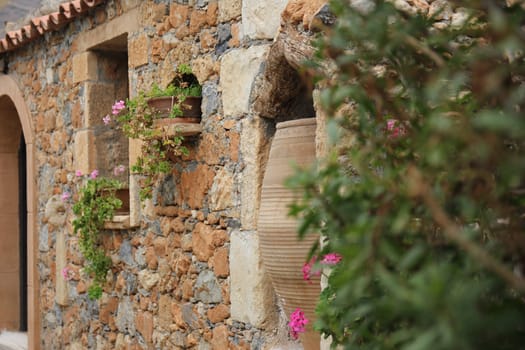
136	117
313	267
94	203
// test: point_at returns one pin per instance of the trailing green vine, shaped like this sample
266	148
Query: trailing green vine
97	203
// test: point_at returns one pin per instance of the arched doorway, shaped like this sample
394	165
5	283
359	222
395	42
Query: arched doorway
18	274
12	221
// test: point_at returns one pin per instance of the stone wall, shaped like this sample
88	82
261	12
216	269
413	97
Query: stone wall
190	275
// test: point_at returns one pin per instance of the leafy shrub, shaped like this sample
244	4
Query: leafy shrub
423	193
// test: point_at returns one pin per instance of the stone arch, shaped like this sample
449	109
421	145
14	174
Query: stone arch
15	116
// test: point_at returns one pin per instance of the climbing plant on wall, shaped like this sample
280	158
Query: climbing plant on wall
423	195
96	203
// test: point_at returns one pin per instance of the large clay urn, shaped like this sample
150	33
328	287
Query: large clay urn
282	252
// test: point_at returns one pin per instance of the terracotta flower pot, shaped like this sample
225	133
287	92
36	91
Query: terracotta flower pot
191	114
191	106
283	254
123	195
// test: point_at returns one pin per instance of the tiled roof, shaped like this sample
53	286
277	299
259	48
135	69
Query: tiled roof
67	12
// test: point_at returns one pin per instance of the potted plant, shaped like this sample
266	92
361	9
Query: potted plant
179	102
94	203
160	118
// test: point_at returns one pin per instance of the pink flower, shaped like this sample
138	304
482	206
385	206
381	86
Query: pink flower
117	107
395	128
65	196
331	259
94	174
309	271
106	119
390	123
66	273
297	323
120	169
78	173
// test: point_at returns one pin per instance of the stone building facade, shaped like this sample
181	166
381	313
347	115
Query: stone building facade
187	271
186	265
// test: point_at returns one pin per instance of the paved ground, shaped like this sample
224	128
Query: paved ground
13	341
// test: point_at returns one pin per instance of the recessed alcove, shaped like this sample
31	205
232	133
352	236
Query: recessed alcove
283	92
102	69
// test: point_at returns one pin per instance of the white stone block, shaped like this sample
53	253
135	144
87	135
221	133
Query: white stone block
238	71
254	151
252	295
261	19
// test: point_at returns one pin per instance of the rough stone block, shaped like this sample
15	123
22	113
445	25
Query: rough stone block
138	51
212	13
147	279
205	239
208	39
211	148
238	71
235	31
195	185
55	211
99	97
229	9
204	67
303	11
218	313
207	288
108	306
180	52
84	67
151	12
222	190
144	325
129	4
220	262
61	296
198	20
84	156
261	19
220	338
178	15
125	320
254	152
252	295
135	147
440	10
134	200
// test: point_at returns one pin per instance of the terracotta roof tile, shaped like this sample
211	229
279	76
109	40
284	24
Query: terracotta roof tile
40	25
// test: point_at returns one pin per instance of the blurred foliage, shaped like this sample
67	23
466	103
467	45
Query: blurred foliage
429	219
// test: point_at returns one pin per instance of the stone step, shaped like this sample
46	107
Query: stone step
13	340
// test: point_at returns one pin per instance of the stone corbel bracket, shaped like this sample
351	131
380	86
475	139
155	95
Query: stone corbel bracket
281	80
